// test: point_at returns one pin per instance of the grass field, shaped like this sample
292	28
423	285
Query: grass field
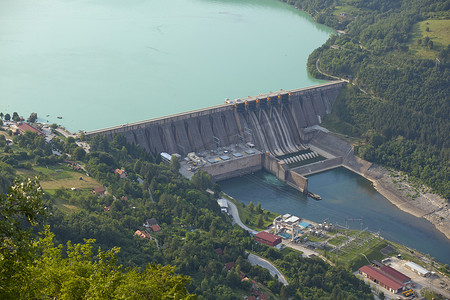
439	33
55	177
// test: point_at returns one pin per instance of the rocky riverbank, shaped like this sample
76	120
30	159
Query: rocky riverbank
420	203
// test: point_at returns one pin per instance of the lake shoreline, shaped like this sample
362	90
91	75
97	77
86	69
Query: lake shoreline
391	184
397	191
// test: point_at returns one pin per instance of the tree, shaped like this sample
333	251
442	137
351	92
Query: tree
79	153
258	208
33	117
1	115
1	122
259	221
16	116
174	163
7	117
21	209
251	206
38	269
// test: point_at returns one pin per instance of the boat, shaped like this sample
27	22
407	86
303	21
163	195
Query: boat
59	117
314	196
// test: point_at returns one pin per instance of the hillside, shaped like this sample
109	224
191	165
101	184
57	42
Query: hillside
395	54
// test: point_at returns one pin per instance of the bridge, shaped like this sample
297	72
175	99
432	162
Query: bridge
273	122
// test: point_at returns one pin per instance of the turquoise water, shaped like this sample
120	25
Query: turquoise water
344	195
101	63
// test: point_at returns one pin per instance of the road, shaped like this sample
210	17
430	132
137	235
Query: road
256	260
232	209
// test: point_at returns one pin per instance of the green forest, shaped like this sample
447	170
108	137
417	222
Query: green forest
398	100
73	244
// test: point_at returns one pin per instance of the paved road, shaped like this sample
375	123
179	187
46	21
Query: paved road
232	209
256	260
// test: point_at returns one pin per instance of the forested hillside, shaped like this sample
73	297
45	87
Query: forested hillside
192	235
396	55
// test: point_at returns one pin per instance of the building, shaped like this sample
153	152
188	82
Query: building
223	203
287	226
98	191
268	239
142	234
23	127
122	173
229	265
150	222
382	279
396	274
166	157
155	228
417	269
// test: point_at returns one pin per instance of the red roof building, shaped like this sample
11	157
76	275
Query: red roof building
122	173
155	228
25	127
382	279
219	251
395	274
267	238
229	265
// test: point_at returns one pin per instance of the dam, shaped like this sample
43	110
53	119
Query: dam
275	124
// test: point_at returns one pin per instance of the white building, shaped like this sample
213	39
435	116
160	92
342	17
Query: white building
417	269
223	203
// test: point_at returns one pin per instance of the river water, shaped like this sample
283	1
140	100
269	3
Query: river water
344	195
100	63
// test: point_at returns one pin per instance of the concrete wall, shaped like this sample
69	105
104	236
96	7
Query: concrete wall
235	167
274	127
297	181
319	166
275	167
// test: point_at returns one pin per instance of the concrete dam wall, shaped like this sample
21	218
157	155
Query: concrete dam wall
272	122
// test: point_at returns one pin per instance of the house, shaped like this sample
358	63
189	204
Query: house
142	234
382	279
150	222
107	208
229	265
155	228
98	191
122	173
267	239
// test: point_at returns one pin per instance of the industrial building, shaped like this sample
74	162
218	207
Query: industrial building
417	269
268	239
395	274
288	226
382	279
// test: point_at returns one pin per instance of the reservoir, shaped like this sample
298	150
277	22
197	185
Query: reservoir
99	63
344	195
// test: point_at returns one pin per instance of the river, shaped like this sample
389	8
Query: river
99	63
344	195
